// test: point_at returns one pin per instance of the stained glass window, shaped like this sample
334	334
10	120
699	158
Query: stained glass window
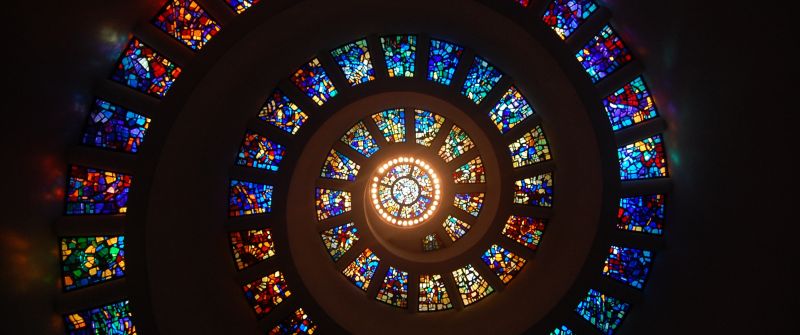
392	124
241	5
602	311
525	230
92	191
361	270
630	105
90	260
564	16
433	294
604	54
142	69
339	166
643	159
361	140
114	318
426	126
628	265
530	148
523	3
298	323
314	82
442	61
355	62
536	191
470	173
395	288
400	52
113	127
339	239
642	214
331	203
252	246
247	198
469	202
563	330
456	144
266	293
455	228
512	109
471	285
187	22
481	78
505	264
259	152
281	112
431	242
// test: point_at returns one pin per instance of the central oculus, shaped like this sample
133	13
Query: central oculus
405	191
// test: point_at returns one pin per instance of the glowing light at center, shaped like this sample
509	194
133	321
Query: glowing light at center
405	191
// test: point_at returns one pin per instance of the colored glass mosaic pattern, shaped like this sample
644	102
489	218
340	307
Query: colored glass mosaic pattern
628	265
115	128
604	54
241	5
91	260
361	140
563	330
298	323
642	214
114	318
144	70
426	126
433	294
312	80
266	293
525	230
330	203
400	52
471	285
395	288
259	152
630	105
456	144
92	191
481	78
431	242
643	159
455	228
392	124
602	311
536	191
355	62
512	109
469	202
505	264
251	246
529	149
564	16
247	198
339	166
339	240
281	112
362	269
472	172
187	22
442	61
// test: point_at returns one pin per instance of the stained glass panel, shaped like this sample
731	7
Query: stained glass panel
643	159
91	260
505	264
281	112
142	69
604	54
314	82
355	62
426	126
536	191
642	214
563	330
114	318
361	270
339	166
187	22
248	198
338	240
602	311
530	148
331	203
266	293
471	285
628	265
431	242
395	288
455	228
241	5
469	202
259	152
456	144
361	140
481	78
298	323
251	246
525	230
472	172
400	52
392	124
92	191
433	294
630	105
115	128
512	109
442	61
564	16
523	3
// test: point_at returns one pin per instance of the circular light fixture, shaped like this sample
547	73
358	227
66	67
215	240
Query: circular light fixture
405	191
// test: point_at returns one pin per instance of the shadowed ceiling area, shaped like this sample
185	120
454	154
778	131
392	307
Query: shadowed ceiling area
719	74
